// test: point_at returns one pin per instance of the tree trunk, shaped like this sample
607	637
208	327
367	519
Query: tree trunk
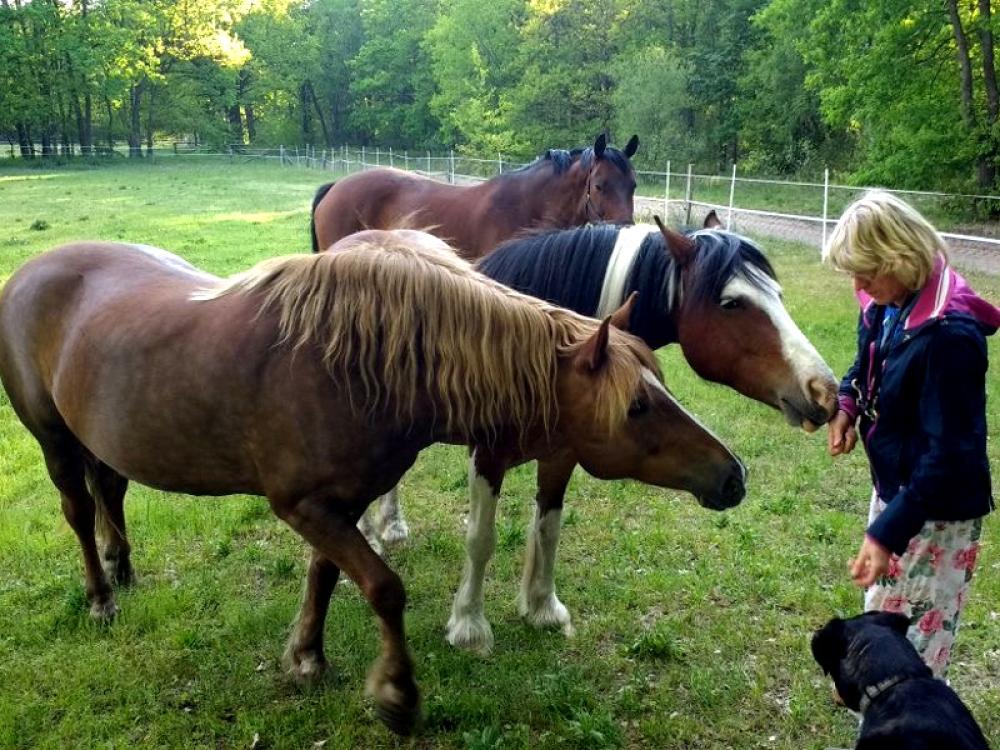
242	92
87	133
235	124
111	125
251	121
134	131
24	141
149	122
304	110
319	112
988	164
964	63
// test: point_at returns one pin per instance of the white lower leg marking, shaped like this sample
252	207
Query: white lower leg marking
538	602
392	526
468	626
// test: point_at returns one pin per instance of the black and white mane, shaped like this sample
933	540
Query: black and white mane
592	270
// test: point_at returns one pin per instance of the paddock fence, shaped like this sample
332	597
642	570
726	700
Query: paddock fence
795	210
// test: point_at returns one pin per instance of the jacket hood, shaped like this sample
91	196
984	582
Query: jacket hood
945	293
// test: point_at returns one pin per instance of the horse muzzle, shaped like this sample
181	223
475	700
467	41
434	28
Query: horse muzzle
730	490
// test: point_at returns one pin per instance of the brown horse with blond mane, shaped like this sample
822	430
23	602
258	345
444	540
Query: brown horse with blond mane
559	189
314	381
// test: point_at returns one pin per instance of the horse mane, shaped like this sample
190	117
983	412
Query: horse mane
567	267
562	159
412	321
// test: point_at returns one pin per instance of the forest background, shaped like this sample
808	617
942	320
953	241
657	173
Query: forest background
898	92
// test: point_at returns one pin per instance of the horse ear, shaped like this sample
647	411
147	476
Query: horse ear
712	220
594	352
600	144
620	318
631	147
678	245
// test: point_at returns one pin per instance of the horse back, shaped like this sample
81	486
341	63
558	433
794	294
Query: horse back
69	314
393	199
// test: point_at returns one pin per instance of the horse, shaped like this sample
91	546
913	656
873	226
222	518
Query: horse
559	189
314	381
712	291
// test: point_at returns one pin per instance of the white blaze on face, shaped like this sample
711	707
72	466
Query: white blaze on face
653	382
801	356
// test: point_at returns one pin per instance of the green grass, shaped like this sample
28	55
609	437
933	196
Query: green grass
692	626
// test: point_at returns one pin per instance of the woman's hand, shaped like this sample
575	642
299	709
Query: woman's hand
871	563
841	437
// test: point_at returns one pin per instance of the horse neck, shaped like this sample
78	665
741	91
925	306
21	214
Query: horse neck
564	195
659	281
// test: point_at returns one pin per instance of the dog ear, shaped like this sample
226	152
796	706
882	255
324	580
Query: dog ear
829	644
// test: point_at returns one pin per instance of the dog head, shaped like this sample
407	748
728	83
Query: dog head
844	650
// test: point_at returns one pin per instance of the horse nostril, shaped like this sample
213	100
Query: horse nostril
734	488
823	390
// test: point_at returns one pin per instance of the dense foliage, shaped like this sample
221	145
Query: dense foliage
901	91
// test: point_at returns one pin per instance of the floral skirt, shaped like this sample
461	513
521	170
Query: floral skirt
929	583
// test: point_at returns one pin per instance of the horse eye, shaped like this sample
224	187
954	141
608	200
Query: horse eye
598	187
637	408
733	303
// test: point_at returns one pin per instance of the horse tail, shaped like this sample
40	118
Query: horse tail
320	194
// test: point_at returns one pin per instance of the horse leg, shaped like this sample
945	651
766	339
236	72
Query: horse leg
468	627
336	538
537	601
65	463
304	656
383	522
392	526
108	488
368	526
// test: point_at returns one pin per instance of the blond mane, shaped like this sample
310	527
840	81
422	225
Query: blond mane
410	317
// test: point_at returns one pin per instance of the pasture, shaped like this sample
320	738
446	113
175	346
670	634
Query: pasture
692	626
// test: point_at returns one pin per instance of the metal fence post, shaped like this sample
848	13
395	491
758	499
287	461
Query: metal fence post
826	200
281	155
452	177
406	160
732	191
362	167
378	156
666	195
500	163
391	162
428	162
687	197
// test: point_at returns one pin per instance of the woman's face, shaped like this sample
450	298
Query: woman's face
885	289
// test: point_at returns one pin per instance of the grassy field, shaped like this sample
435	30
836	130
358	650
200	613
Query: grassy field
692	626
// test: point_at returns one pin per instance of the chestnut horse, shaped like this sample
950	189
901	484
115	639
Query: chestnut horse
314	381
712	291
559	189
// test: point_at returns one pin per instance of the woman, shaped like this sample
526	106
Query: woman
918	387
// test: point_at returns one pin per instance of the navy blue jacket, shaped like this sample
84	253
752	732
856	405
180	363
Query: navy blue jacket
921	399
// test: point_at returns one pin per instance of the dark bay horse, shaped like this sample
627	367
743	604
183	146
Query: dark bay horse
314	381
559	189
712	291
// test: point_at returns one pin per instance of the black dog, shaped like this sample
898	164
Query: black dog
879	673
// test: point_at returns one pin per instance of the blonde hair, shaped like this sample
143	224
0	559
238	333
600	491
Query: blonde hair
408	316
879	234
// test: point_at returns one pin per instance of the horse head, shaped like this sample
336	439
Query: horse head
734	329
610	181
621	421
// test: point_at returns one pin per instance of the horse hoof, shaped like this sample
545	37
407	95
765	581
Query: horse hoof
103	611
395	533
305	668
471	634
397	706
549	613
